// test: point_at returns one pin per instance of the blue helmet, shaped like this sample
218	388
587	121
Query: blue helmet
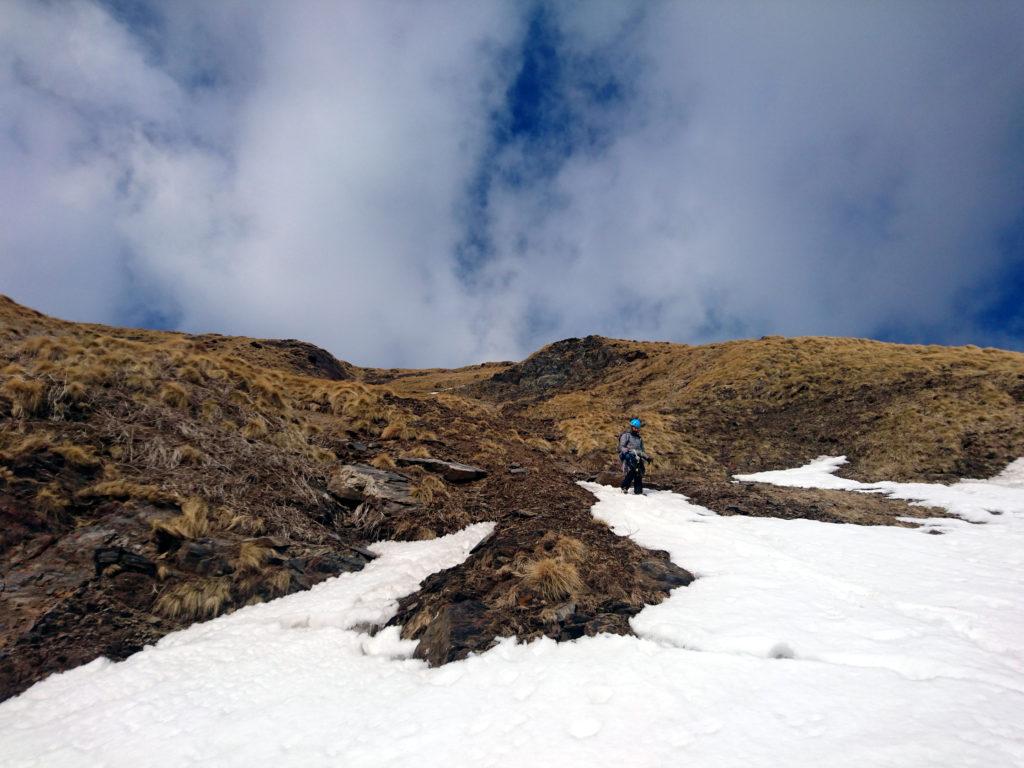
636	423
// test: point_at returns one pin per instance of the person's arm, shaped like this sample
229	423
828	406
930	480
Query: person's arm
623	442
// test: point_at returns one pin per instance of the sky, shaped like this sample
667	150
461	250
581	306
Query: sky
442	183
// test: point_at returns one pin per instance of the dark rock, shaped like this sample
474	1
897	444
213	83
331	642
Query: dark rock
666	574
452	471
519	471
562	366
312	360
203	556
104	557
333	563
360	482
564	611
453	633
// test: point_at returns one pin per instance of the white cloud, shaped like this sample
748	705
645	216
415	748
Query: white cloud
304	170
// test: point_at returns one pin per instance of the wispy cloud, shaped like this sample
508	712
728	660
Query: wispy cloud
433	184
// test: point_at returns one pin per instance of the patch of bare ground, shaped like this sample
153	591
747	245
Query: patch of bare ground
760	500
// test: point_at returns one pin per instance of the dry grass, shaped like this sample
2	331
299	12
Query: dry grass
192	523
197	599
552	579
127	489
174	395
255	428
279	582
77	455
189	456
252	557
398	429
246	523
27	396
430	488
383	461
51	501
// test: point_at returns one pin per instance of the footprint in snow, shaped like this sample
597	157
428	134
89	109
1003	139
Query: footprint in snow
584	727
599	694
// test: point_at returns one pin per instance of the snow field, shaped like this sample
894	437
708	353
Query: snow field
800	644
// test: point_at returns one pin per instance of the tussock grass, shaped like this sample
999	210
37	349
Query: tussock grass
428	489
77	455
27	396
127	489
189	456
192	523
252	557
52	502
552	579
174	395
255	428
383	461
246	523
196	599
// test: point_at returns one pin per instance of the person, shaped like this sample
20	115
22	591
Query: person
633	456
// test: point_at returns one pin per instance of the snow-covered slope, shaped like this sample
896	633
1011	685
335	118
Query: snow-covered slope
801	643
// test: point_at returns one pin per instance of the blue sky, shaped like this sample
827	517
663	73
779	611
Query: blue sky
447	182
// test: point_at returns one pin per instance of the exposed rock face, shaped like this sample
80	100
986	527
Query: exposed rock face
452	471
564	365
361	482
313	360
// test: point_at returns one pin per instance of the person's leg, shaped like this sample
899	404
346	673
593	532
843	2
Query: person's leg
628	479
629	464
638	481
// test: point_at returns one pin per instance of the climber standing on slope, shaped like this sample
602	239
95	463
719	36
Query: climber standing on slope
634	458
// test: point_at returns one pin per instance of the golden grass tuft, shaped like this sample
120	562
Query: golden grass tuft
44	348
398	429
201	599
246	523
568	548
127	489
210	410
279	582
51	501
189	456
428	489
255	428
553	579
174	395
77	455
383	461
27	396
251	557
192	523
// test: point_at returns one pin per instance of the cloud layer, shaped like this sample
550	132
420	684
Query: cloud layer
436	184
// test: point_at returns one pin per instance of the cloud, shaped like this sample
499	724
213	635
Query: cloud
435	184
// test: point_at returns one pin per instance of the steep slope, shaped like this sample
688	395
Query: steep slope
151	479
905	412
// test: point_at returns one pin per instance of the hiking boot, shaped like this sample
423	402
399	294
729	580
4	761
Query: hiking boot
625	490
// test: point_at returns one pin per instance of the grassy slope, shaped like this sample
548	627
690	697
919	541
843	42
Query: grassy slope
168	445
196	473
899	412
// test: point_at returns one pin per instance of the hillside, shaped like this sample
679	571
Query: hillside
151	479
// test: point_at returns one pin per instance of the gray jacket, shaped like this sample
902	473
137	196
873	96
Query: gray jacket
630	442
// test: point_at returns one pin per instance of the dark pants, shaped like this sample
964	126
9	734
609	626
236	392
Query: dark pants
634	469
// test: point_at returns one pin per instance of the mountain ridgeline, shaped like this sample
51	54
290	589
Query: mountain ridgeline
149	479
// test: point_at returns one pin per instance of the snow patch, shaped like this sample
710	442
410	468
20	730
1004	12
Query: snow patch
802	644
